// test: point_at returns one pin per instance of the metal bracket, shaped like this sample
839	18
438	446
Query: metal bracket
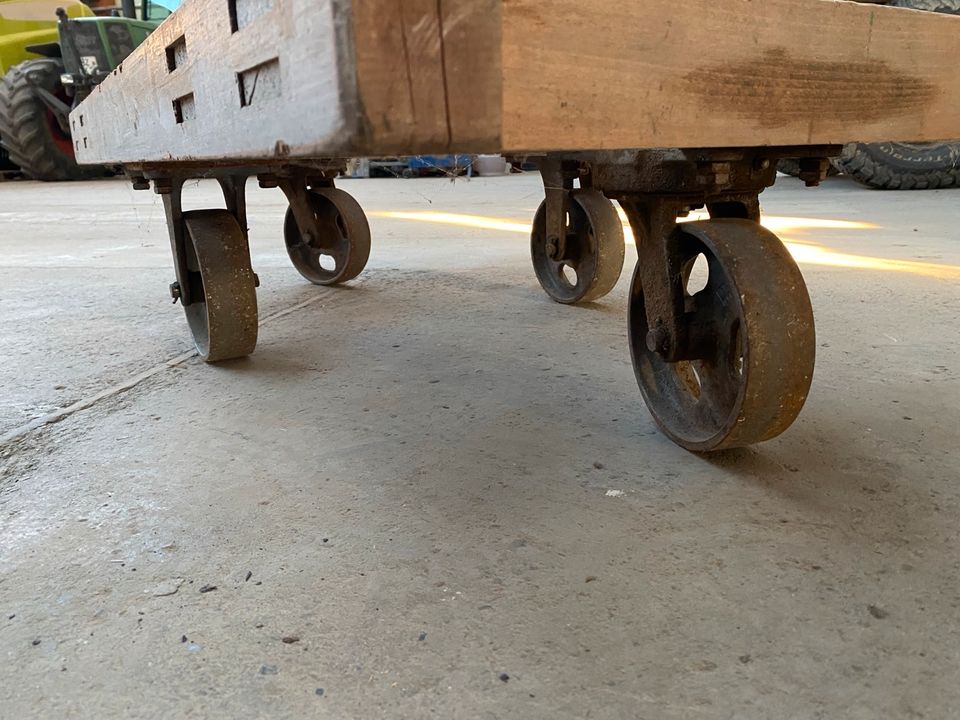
655	188
188	284
813	170
235	195
558	177
60	110
171	189
745	206
297	189
653	220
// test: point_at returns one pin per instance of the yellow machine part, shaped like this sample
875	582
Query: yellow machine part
30	22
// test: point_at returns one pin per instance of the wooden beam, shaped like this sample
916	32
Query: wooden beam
472	41
271	80
428	74
305	106
399	62
724	73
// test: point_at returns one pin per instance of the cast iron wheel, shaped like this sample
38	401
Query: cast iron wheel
342	248
594	250
28	129
757	372
223	314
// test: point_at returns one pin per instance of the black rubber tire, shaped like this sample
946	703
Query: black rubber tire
791	167
951	7
6	164
899	166
27	130
905	166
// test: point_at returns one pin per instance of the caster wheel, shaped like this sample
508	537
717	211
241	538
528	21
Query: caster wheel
593	256
342	247
223	314
756	373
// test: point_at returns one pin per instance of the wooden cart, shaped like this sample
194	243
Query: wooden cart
664	106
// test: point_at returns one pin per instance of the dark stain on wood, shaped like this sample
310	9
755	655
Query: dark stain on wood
530	12
782	89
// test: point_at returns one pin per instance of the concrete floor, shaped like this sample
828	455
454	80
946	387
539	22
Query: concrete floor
436	493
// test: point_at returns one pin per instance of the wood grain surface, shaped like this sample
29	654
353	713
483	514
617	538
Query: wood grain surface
321	78
725	73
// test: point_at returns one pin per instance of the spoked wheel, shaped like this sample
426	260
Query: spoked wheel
593	254
755	369
341	248
223	312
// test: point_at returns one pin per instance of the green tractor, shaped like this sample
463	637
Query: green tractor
66	57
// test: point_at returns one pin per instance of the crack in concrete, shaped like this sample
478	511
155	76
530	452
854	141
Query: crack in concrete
129	383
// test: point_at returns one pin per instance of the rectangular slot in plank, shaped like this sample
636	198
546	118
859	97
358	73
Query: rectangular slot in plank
176	54
184	108
399	77
260	83
244	12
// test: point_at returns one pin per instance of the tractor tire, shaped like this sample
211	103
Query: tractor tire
902	166
951	7
28	129
791	167
6	165
906	166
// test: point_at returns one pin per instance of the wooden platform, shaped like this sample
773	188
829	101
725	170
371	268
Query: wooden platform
266	80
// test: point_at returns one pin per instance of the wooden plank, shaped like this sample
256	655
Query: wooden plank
472	38
399	66
297	45
724	73
428	74
321	78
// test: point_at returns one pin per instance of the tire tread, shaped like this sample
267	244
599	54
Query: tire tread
24	131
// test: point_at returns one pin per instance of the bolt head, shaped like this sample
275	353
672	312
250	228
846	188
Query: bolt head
553	245
658	339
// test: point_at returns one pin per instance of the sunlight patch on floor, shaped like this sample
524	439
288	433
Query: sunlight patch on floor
803	251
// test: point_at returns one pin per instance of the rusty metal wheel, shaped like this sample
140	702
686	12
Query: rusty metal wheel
593	256
223	314
341	248
752	380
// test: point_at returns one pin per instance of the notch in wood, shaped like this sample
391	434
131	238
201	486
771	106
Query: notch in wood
244	12
176	54
261	83
184	108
